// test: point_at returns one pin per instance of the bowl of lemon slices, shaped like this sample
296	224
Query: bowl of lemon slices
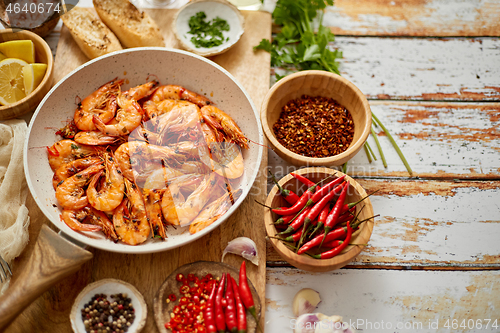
26	66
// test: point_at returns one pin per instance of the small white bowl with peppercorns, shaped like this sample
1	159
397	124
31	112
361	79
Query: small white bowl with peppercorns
316	118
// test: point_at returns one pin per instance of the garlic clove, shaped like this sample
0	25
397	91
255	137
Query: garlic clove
320	323
306	323
242	246
332	324
305	301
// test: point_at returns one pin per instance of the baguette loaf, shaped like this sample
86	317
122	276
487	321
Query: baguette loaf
92	36
132	27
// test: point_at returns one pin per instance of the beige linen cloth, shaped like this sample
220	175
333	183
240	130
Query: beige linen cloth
14	219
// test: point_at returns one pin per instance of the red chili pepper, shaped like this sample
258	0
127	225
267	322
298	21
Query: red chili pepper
339	233
295	237
303	202
220	322
240	308
209	313
179	277
284	219
288	195
347	216
333	252
333	243
316	209
336	208
300	204
297	223
322	215
326	189
172	297
307	197
302	179
230	312
335	213
246	293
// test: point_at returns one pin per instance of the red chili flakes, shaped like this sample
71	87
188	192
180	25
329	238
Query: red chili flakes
187	315
314	127
69	131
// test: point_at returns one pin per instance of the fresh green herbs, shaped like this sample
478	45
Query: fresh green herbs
207	33
298	46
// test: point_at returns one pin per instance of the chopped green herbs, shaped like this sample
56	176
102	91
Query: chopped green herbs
207	33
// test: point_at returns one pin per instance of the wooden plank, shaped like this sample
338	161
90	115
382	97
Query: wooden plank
436	224
391	301
50	313
414	17
460	69
439	140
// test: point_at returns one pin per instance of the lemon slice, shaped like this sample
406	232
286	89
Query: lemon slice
28	79
11	80
39	72
20	49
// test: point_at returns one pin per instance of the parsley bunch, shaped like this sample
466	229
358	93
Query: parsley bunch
298	45
207	33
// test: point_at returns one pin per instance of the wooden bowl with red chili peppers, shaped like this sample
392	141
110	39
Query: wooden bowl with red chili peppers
315	118
318	219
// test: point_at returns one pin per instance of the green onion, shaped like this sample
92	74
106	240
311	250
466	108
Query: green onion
367	152
400	153
371	151
379	147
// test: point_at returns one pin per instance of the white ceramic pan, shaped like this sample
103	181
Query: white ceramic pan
136	65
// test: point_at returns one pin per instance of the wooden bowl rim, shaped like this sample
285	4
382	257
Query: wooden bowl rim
305	160
303	261
48	72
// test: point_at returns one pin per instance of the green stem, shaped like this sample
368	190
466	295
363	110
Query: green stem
371	151
305	230
260	203
344	167
275	181
379	147
394	144
367	153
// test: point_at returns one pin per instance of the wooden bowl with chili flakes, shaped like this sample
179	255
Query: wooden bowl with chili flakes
304	118
360	237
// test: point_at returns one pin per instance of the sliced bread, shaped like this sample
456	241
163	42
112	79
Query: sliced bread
92	36
132	27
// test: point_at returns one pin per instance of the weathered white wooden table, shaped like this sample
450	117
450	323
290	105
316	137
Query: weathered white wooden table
431	71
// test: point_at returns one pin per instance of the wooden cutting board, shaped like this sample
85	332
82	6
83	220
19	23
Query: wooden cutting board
50	312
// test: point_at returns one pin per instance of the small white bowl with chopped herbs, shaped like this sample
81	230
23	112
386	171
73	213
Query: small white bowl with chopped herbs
208	27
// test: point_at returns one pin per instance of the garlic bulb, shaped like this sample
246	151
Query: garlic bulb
243	246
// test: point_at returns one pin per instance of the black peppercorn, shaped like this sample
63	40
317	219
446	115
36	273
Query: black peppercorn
102	315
